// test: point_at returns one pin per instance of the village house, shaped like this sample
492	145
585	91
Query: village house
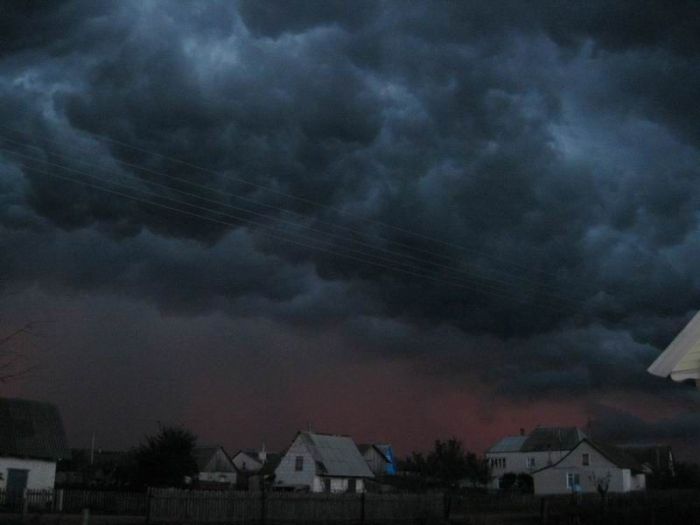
32	440
524	454
322	463
379	458
215	468
588	468
250	460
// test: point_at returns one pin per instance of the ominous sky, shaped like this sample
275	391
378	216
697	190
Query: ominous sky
396	220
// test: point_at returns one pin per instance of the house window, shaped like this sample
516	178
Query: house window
299	463
586	460
573	481
530	462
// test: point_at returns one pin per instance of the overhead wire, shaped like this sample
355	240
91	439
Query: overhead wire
478	287
470	274
226	176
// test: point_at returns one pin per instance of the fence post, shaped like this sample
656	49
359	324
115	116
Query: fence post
148	504
262	506
25	504
447	502
86	516
59	500
544	511
362	507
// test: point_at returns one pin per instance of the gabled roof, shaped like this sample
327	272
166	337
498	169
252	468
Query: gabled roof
508	444
31	429
336	455
204	455
543	439
681	359
612	454
382	450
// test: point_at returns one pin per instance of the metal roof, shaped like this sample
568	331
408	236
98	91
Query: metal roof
543	439
508	444
31	429
337	455
611	453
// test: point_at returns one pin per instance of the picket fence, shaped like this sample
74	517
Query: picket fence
189	506
287	507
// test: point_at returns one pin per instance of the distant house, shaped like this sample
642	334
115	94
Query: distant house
32	440
588	466
525	454
322	463
249	460
681	359
656	459
216	468
379	458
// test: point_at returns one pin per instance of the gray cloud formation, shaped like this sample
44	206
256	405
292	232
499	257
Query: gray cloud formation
552	150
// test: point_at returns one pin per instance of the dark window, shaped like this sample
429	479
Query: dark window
299	463
586	459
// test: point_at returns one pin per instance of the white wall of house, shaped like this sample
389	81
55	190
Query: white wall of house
286	473
41	476
337	485
218	477
520	462
553	480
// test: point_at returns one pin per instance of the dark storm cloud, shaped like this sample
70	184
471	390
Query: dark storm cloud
552	149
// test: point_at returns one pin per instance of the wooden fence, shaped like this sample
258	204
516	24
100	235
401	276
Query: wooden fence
72	501
187	506
168	506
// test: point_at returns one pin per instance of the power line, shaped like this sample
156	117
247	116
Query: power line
421	261
472	287
301	199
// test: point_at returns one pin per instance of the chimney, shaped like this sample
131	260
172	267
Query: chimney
262	455
522	431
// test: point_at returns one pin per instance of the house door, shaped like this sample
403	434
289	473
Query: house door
16	483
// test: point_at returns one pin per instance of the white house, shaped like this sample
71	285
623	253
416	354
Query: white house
681	359
587	467
322	463
32	440
216	468
525	454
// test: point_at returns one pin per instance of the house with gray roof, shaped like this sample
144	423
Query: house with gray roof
590	467
216	469
32	440
322	463
527	453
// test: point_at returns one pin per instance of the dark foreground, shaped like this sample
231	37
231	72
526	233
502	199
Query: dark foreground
650	508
